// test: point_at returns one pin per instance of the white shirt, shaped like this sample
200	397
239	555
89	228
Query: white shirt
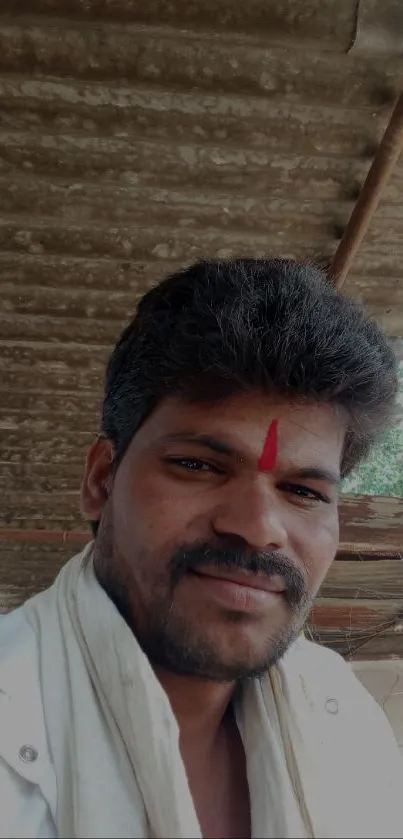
28	784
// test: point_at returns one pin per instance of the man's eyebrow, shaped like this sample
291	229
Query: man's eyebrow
317	473
207	441
204	440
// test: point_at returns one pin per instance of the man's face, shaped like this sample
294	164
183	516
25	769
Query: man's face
213	559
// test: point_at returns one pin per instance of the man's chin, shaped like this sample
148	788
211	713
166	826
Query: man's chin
250	665
226	656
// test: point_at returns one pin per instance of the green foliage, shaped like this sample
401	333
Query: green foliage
382	473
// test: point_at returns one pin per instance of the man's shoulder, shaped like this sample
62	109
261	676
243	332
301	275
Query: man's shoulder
18	647
328	682
311	656
326	672
20	691
13	624
26	810
328	696
350	743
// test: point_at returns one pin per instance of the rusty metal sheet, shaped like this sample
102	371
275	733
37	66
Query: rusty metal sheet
379	28
44	447
86	111
73	368
137	161
329	23
382	300
176	58
152	242
81	273
44	477
26	570
111	203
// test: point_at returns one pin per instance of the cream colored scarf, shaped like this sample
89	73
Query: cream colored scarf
115	743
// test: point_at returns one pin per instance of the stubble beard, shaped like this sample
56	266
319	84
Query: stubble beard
169	639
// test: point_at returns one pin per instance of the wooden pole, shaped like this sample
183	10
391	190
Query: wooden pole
367	202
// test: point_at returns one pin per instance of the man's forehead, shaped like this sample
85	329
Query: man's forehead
242	424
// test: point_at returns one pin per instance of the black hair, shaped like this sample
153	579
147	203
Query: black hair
223	327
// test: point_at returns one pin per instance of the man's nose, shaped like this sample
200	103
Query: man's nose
253	512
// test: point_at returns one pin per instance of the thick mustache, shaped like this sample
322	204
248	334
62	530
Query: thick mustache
269	563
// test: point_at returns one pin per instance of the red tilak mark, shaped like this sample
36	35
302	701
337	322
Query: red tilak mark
269	454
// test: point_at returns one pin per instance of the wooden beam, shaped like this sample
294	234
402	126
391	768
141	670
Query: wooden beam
372	579
368	200
347	615
371	524
54	537
376	647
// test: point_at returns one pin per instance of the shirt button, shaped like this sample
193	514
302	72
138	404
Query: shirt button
332	706
28	754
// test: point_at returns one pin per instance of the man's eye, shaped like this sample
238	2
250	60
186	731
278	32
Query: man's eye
192	464
305	493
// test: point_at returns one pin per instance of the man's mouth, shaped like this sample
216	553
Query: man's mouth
240	589
243	577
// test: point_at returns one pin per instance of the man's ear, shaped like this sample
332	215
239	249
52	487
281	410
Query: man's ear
97	481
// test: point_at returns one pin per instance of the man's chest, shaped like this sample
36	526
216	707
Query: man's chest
224	810
221	792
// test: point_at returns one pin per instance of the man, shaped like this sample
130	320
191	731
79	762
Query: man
161	687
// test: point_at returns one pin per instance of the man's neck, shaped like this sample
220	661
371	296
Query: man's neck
212	753
200	707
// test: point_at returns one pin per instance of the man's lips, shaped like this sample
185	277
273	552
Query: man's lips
243	577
